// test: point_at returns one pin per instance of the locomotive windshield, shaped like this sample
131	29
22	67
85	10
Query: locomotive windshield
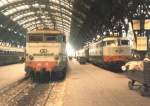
124	42
111	43
46	38
50	38
55	38
35	38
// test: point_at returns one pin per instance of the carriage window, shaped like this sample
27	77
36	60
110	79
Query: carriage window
111	43
35	38
124	42
1	51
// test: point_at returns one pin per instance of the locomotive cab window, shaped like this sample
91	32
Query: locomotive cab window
54	38
51	38
111	43
34	38
124	42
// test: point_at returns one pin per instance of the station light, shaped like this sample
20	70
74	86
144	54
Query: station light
15	32
98	36
1	25
9	29
104	33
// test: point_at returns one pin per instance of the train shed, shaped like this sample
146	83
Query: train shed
98	55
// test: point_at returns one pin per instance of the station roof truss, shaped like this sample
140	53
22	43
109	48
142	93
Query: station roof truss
81	19
104	16
31	14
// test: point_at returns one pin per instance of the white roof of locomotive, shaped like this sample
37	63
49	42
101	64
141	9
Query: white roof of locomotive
108	39
114	38
45	32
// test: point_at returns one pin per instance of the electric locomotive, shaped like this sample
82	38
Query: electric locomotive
110	51
81	56
46	57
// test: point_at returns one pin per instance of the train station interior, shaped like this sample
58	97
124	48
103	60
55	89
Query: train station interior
74	53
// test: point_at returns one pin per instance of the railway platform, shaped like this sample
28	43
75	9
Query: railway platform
85	85
10	74
88	85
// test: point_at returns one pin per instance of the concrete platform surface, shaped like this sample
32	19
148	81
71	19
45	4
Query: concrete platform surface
88	85
10	74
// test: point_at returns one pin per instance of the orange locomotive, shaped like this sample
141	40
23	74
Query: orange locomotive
46	55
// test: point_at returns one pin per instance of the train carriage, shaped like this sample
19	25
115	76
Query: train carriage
81	56
11	55
46	55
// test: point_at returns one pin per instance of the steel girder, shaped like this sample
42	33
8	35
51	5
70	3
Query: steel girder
29	2
34	25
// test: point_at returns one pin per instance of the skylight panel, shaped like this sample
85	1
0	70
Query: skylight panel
22	15
28	20
13	10
54	1
1	4
4	2
60	11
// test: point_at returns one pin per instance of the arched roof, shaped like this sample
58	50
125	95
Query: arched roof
82	19
50	13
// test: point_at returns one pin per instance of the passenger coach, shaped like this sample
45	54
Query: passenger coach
11	55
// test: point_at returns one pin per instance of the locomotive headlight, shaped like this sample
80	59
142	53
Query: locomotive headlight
46	64
123	68
31	57
39	64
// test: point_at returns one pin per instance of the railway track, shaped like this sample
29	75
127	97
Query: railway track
10	93
26	93
11	86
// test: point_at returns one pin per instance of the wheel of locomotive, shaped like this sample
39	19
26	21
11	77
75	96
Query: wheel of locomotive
131	85
144	90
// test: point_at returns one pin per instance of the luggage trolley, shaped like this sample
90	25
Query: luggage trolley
141	76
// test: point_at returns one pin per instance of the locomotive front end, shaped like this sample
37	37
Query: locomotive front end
117	51
45	53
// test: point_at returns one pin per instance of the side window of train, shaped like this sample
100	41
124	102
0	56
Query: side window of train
1	52
7	52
